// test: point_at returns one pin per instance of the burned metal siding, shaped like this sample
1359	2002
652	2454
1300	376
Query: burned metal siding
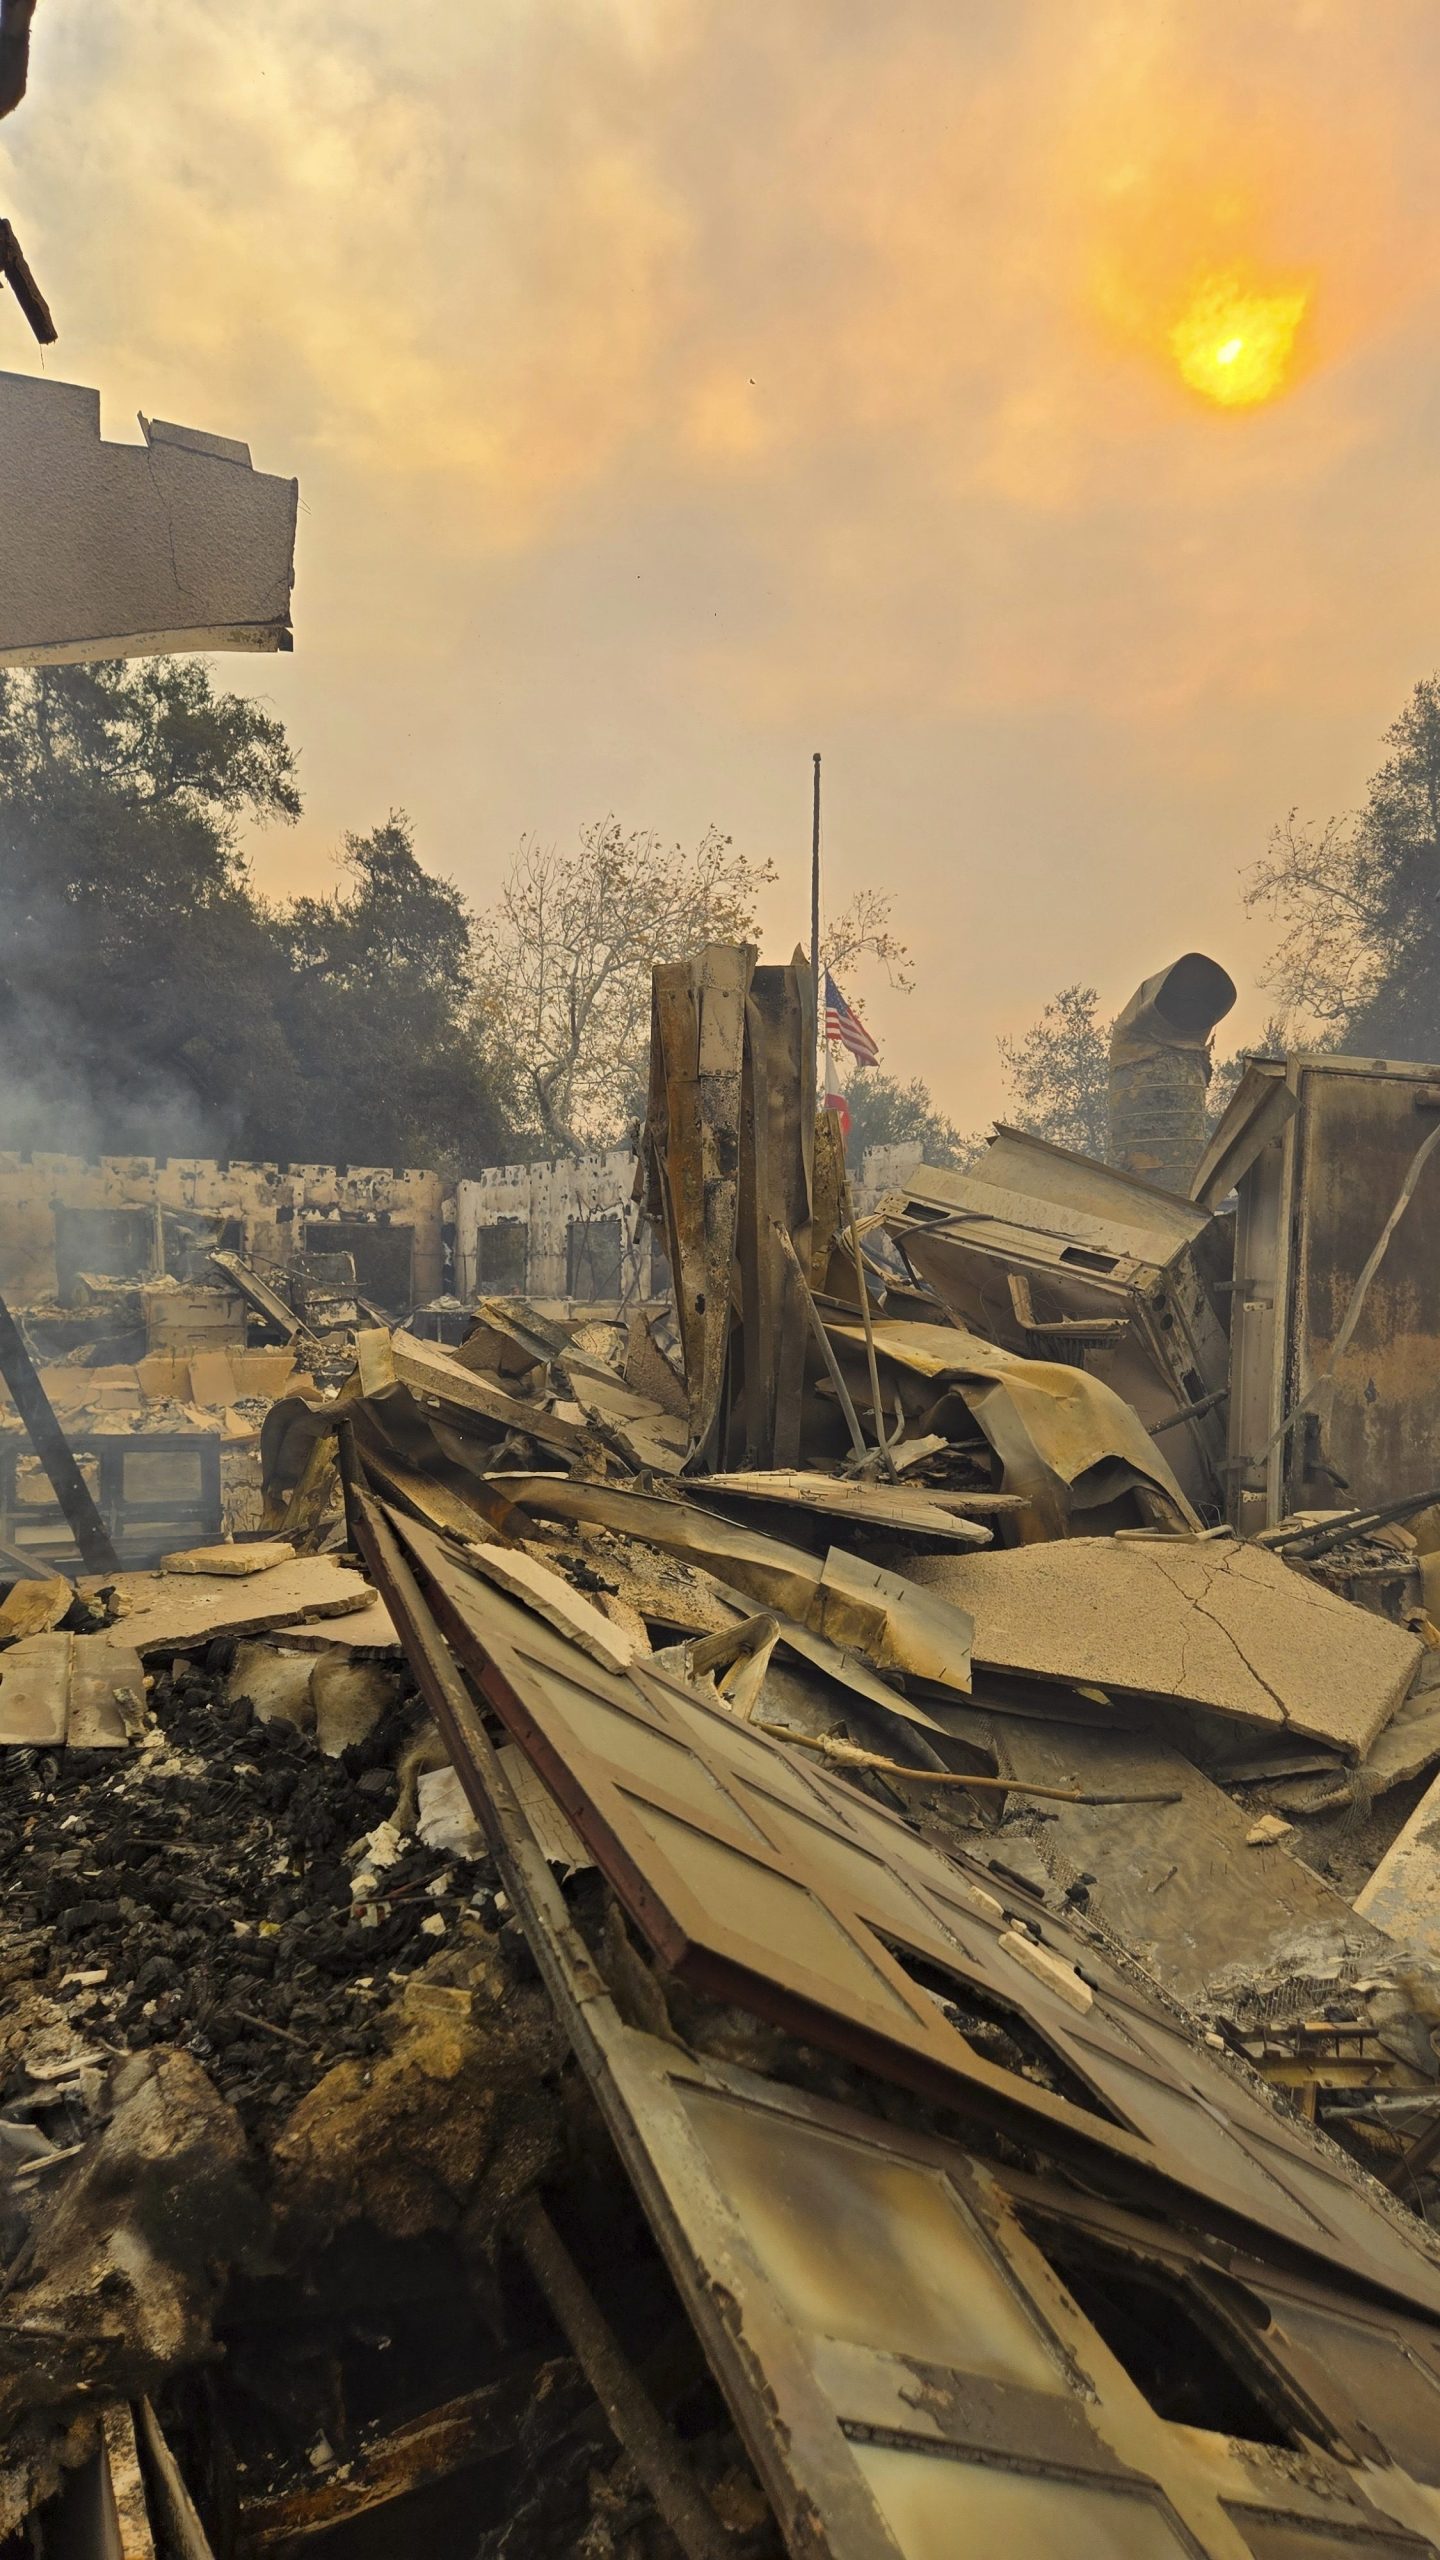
1319	1150
1376	1430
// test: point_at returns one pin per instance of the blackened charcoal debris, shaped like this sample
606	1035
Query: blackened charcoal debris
206	1880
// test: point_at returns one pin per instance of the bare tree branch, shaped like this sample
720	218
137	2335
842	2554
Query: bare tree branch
563	964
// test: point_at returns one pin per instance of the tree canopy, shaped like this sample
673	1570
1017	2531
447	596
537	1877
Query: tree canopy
886	1111
1358	899
1058	1074
150	1000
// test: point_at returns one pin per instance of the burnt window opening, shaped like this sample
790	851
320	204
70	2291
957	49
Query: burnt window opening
381	1255
1000	2033
593	1258
1174	2348
112	1244
502	1258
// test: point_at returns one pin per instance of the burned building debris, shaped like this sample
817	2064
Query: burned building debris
163	1306
776	1923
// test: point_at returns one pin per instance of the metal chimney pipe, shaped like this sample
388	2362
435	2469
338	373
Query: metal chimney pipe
1160	1068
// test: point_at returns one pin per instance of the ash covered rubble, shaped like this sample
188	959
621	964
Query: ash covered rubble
811	1927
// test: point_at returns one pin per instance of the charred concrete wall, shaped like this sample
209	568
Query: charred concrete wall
567	1228
570	1229
61	1213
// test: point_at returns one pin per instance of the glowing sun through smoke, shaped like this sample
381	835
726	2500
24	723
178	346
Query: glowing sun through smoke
1234	345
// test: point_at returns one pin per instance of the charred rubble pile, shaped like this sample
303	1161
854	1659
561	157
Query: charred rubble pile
814	1930
161	1384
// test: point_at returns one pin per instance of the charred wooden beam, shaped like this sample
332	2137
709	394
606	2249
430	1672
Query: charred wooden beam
53	1449
16	272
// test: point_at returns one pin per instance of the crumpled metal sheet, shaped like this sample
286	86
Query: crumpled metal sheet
1056	1257
1065	1440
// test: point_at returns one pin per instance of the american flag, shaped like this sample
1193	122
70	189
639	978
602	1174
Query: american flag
844	1025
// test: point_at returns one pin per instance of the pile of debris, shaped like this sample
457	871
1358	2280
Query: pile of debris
759	1935
161	1387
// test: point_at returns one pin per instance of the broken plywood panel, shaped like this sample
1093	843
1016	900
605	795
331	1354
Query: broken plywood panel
171	1613
522	1577
629	1420
1403	1895
435	1377
898	1510
1213	1623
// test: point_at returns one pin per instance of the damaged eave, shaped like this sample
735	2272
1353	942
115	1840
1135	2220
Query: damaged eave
112	550
15	18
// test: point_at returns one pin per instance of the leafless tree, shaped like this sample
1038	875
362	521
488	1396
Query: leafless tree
863	932
563	964
1322	880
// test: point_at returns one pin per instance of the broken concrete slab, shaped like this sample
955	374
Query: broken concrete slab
86	1692
169	1613
367	1631
32	1608
1402	1897
1209	1623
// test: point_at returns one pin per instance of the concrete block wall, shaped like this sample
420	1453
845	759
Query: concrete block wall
272	1205
533	1229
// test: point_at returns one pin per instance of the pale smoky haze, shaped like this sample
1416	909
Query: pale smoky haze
676	388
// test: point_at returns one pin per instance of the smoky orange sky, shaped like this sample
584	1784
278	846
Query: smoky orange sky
676	388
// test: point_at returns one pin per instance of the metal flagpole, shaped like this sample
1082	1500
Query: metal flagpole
815	970
815	891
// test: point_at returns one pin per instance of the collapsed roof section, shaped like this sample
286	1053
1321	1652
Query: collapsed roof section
126	551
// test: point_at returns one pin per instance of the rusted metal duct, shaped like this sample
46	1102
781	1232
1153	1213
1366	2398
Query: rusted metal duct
1160	1068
